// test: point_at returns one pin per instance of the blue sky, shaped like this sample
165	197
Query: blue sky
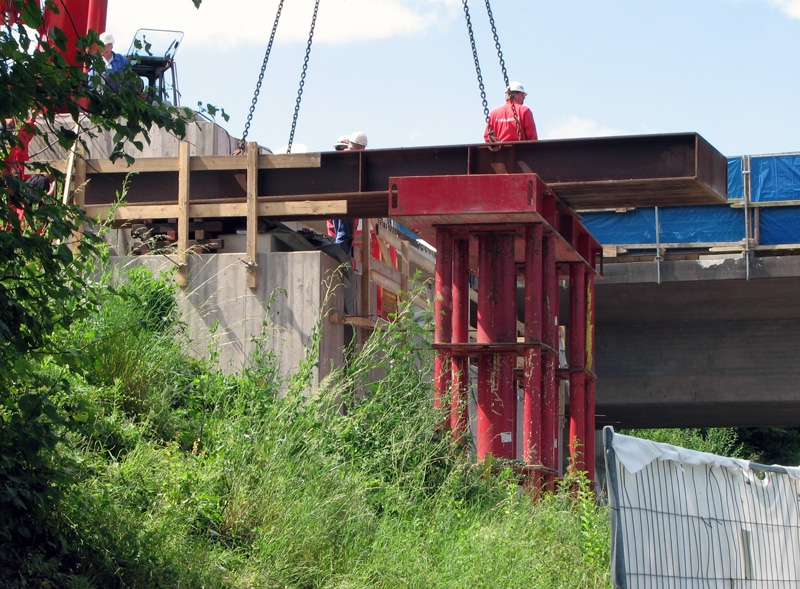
402	70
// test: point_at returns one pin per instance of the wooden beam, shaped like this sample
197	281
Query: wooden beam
386	255
219	210
252	215
150	164
366	263
776	248
183	213
202	163
133	212
414	255
765	204
626	247
289	160
354	320
393	278
405	266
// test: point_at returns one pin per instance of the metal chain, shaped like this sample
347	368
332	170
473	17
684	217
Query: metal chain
303	77
503	65
478	69
260	77
497	42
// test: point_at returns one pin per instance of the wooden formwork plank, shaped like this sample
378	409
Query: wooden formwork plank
252	215
184	188
366	264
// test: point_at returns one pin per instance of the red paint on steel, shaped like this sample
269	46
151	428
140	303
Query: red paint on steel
518	223
577	363
532	375
443	309
590	376
496	324
72	19
459	420
550	403
98	9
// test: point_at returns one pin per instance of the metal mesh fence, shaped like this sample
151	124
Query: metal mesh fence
681	518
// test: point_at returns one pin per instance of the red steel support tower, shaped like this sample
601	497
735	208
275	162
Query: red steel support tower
514	235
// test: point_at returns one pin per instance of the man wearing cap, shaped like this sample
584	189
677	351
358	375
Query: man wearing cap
343	229
342	143
115	62
503	120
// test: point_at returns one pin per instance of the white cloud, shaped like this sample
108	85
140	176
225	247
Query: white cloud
789	7
225	23
577	127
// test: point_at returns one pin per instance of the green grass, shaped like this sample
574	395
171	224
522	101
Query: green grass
182	476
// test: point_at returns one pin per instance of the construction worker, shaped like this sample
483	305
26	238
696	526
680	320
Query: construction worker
343	229
45	181
342	143
503	120
115	63
357	141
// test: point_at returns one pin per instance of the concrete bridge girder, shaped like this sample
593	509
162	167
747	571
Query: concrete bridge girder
704	348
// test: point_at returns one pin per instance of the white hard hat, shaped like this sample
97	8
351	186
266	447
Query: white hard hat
358	138
515	87
107	39
342	142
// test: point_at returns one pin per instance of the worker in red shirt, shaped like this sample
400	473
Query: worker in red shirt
503	120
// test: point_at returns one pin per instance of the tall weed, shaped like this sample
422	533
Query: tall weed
193	478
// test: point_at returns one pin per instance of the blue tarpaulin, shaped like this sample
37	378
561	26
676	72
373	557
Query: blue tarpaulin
689	224
773	178
779	225
735	184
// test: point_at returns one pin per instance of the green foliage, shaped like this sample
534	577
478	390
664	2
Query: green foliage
720	441
127	462
48	268
778	445
350	484
764	445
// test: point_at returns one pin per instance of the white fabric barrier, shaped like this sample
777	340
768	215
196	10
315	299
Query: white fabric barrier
681	518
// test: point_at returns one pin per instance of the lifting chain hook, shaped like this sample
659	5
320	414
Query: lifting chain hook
303	77
478	69
260	78
503	65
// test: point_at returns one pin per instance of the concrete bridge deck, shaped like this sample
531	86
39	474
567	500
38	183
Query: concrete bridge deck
705	347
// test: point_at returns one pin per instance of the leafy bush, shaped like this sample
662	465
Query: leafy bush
218	480
714	440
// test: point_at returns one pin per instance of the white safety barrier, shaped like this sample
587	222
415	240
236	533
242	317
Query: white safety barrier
685	519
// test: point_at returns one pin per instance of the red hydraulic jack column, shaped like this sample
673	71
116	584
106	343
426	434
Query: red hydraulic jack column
513	219
577	366
590	376
549	454
581	364
443	309
532	368
459	417
496	325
